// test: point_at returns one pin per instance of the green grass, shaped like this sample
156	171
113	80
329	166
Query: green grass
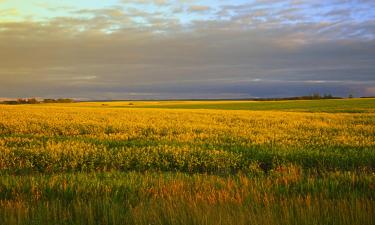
330	105
285	196
355	105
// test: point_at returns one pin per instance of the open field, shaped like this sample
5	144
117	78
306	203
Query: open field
327	105
188	162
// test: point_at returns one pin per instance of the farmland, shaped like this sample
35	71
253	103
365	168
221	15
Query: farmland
188	162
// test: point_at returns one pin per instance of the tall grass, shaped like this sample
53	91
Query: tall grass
285	196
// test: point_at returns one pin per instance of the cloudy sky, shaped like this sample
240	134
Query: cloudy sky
150	49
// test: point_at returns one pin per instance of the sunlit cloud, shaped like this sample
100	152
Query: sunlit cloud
199	8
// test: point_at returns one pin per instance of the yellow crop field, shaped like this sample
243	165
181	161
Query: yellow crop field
93	160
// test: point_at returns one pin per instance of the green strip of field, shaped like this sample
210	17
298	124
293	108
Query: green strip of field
332	105
359	105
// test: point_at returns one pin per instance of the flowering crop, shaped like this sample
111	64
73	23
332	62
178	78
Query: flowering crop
87	164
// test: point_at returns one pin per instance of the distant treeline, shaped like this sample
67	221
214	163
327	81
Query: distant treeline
35	101
315	96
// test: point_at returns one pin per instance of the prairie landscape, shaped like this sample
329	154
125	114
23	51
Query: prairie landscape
187	112
188	162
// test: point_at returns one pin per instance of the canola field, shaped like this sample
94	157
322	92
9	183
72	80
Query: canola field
188	162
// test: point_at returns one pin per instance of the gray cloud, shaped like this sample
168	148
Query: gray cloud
248	51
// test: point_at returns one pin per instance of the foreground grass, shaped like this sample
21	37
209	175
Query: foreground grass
285	196
94	164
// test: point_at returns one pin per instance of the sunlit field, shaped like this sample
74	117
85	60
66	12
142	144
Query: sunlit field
326	105
188	162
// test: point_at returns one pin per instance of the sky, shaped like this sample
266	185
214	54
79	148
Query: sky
183	49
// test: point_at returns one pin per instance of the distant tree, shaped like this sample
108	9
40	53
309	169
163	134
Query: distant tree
49	100
32	101
316	96
21	101
350	96
11	102
60	100
65	100
327	96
